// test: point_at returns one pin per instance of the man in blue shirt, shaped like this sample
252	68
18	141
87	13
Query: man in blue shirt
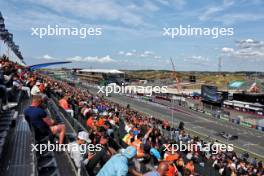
118	164
42	124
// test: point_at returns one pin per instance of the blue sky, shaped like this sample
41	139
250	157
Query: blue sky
132	33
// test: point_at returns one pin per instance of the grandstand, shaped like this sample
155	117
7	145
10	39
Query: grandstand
101	76
245	106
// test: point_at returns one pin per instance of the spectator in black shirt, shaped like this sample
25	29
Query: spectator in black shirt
101	156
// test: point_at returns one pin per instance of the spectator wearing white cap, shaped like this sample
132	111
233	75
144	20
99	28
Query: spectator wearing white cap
77	150
35	89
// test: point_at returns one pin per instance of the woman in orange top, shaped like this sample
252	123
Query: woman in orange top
90	122
172	171
64	103
42	88
171	158
139	146
100	122
189	166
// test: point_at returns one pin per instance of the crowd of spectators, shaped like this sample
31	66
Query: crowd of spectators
13	78
132	143
118	127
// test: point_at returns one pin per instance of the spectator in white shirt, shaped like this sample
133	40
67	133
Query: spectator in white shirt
77	150
19	85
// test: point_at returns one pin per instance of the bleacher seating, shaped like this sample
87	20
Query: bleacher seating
5	124
46	162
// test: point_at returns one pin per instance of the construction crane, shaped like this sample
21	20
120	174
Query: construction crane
178	86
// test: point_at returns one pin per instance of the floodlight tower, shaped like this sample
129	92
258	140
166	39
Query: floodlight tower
220	63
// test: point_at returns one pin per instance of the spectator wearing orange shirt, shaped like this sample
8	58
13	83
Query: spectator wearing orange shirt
91	122
100	122
190	166
42	87
128	138
65	105
172	170
171	158
137	143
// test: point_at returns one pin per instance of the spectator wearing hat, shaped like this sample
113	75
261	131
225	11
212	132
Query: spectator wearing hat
35	89
118	164
77	150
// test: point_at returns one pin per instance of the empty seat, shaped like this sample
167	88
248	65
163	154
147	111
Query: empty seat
3	134
48	161
5	123
45	153
4	128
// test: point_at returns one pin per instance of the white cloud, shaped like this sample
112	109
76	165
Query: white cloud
221	13
157	57
176	3
150	6
249	40
135	53
211	11
104	59
246	49
40	14
232	18
47	57
148	53
250	43
129	54
197	58
227	50
94	10
121	52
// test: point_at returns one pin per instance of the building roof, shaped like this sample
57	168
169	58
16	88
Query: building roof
103	71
